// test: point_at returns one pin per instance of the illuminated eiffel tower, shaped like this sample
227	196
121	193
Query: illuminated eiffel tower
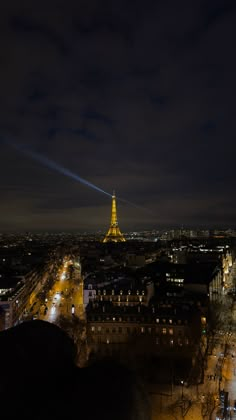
114	234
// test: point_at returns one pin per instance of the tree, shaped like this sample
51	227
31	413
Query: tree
76	329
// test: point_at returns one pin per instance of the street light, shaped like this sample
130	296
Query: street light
182	384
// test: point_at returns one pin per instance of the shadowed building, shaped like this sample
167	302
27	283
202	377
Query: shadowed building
114	234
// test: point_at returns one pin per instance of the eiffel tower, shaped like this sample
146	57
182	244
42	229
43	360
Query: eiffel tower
114	234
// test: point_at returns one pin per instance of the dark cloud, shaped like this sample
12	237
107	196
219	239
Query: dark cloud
130	96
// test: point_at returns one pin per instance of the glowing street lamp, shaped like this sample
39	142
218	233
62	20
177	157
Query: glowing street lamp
182	384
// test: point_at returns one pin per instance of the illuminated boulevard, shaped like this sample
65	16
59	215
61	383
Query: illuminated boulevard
65	297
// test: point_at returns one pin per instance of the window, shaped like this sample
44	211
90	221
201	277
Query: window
171	331
149	330
171	343
93	329
142	330
108	341
99	329
163	330
120	330
170	321
157	320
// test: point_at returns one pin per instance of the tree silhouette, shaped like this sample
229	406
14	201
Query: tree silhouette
76	329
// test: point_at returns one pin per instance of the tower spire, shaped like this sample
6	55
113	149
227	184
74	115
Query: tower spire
114	234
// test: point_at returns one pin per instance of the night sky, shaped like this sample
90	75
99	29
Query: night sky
136	96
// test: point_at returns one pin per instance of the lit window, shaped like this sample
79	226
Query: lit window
140	299
108	341
142	329
104	292
163	330
170	321
171	343
93	329
121	292
113	292
113	319
157	320
171	331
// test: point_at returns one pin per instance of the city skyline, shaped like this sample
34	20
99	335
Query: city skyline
129	97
